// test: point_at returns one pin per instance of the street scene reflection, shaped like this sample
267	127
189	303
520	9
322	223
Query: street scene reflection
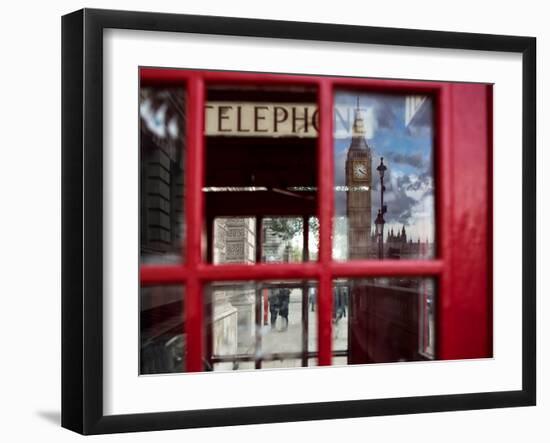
162	150
162	342
388	319
262	325
384	185
260	196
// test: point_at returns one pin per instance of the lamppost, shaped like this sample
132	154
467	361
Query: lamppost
379	222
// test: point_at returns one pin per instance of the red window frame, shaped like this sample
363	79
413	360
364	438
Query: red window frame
463	173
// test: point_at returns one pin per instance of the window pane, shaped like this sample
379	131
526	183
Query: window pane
234	240
260	325
313	239
384	320
162	348
392	135
162	151
261	163
282	240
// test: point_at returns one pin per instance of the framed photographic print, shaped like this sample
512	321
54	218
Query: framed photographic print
271	221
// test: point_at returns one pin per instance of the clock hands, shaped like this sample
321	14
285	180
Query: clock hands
361	170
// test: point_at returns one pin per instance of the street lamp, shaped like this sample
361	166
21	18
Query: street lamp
379	222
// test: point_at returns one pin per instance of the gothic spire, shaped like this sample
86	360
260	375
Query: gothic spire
358	142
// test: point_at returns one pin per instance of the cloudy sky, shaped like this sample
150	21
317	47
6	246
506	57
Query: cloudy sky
407	152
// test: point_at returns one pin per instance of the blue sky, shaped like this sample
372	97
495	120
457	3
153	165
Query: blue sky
407	152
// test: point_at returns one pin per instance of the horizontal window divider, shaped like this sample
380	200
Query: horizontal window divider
155	76
243	272
260	78
273	356
386	268
153	275
375	84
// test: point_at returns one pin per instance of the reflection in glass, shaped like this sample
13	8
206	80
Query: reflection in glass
261	168
384	320
384	186
426	311
261	325
234	240
162	343
161	112
313	239
281	239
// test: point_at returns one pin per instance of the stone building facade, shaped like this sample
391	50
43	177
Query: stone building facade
233	308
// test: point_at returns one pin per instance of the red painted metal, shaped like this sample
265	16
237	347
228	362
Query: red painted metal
286	271
463	213
175	76
444	207
424	313
389	86
194	205
489	315
465	299
326	210
176	274
168	76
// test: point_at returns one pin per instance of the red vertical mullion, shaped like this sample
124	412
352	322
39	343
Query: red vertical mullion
464	327
194	221
326	205
444	217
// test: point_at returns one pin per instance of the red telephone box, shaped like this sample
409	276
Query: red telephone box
261	158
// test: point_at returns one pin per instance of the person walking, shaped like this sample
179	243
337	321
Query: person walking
274	306
312	300
284	301
339	304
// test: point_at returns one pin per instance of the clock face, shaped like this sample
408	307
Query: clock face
360	171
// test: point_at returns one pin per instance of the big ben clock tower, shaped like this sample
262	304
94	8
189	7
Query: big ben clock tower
359	185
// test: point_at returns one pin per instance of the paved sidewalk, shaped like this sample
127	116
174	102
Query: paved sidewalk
290	340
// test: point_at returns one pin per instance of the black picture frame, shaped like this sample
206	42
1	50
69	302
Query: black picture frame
82	219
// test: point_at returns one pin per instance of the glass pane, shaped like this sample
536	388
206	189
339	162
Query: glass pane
313	239
282	240
383	320
340	316
261	163
426	312
384	180
234	240
162	343
260	325
162	152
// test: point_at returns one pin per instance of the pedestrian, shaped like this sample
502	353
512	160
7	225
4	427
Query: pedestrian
339	304
274	306
312	299
284	301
